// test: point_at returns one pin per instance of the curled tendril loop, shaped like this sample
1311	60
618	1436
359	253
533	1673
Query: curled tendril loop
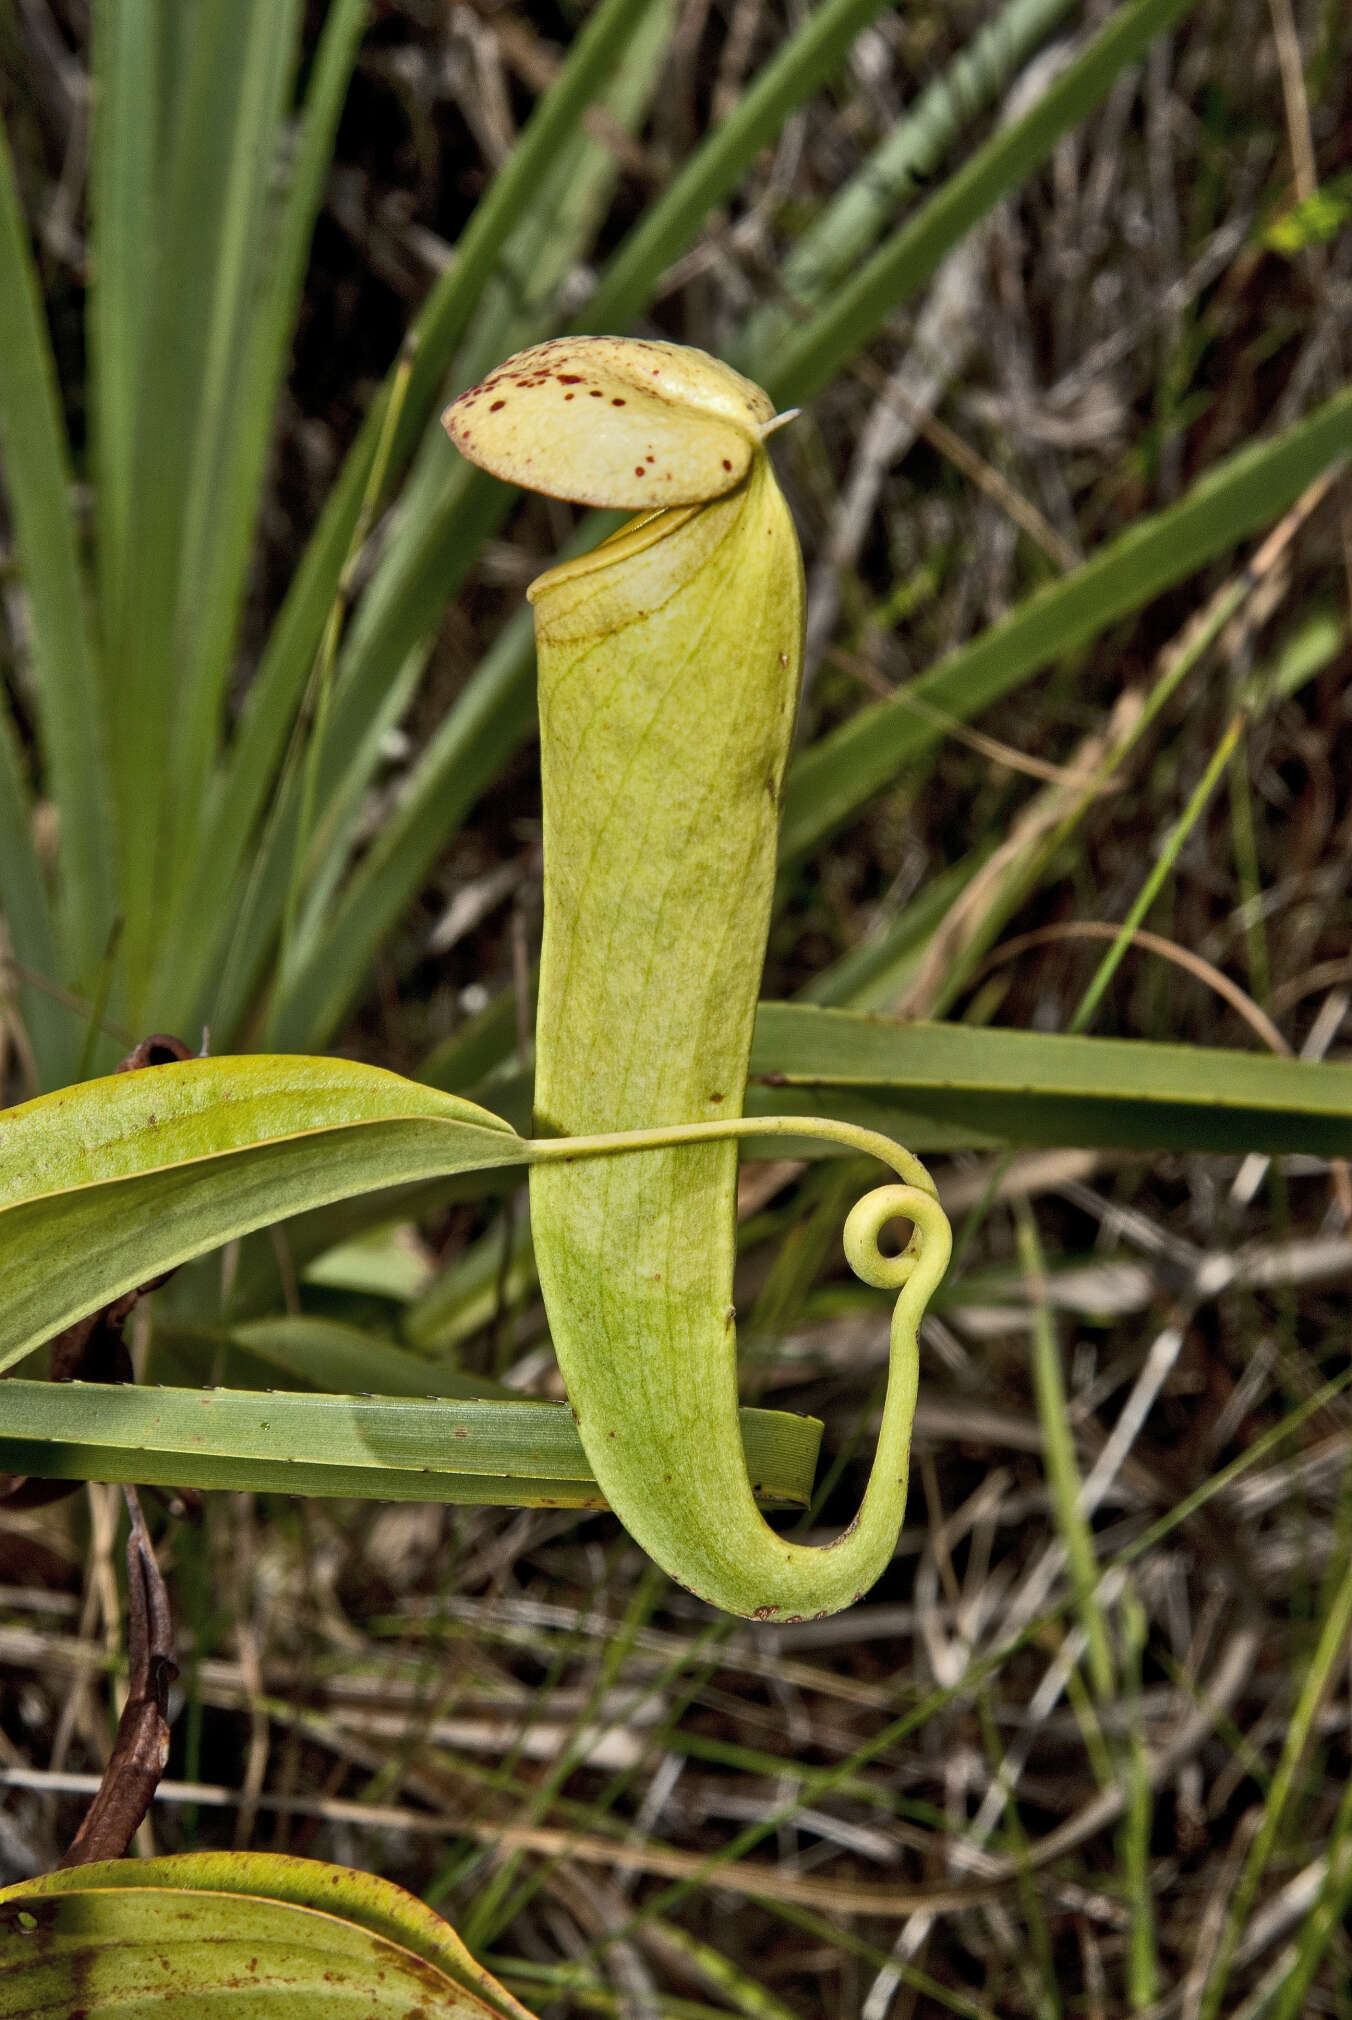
923	1260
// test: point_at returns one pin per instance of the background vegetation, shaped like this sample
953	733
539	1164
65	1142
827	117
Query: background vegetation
1064	291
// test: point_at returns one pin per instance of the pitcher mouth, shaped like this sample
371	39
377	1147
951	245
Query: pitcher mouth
644	564
634	537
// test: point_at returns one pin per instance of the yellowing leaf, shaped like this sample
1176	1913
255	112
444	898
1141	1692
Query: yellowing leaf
233	1936
105	1185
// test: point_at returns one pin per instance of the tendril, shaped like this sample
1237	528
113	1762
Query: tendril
916	1271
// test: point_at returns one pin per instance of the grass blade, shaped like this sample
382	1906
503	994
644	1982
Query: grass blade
124	194
519	1453
37	478
1063	1475
218	157
669	226
1166	857
259	302
24	911
1329	1652
957	1083
858	310
842	235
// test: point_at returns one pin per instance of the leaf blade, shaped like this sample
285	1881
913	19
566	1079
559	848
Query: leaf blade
107	1185
38	483
958	1083
522	1453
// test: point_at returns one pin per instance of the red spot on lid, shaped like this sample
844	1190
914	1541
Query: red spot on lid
502	403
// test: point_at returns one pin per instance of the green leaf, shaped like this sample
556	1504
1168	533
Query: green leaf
128	60
1314	220
221	118
312	1352
27	917
260	292
230	1936
522	1453
838	240
947	1085
35	466
806	361
669	226
105	1185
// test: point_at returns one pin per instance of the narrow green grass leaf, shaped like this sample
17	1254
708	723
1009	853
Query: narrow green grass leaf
812	356
522	1453
35	468
744	1993
1143	1970
1326	1919
1247	491
1329	1652
1030	1087
1165	858
824	254
669	226
124	223
1058	1449
310	1352
30	935
220	148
